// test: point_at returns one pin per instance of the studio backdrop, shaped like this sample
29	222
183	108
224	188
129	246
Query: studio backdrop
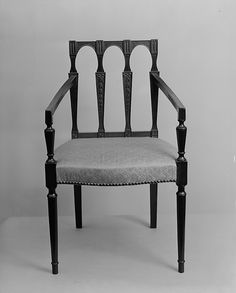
197	48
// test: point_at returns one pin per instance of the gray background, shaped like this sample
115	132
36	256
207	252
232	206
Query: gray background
196	58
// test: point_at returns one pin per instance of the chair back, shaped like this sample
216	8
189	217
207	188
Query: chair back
126	47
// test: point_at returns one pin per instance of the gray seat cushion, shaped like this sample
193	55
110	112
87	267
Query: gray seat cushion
115	161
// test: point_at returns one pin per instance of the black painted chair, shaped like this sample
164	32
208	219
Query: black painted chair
115	158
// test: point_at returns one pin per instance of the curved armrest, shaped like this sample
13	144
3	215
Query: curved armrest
49	132
181	131
57	99
171	96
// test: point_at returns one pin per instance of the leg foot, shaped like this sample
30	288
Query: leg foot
52	212
181	267
78	205
153	205
181	207
55	268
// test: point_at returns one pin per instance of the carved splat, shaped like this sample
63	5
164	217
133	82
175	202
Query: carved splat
74	105
73	89
153	47
127	84
126	47
127	87
100	84
72	50
154	102
154	52
100	49
72	47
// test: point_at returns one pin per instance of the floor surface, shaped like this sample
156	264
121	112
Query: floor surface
119	254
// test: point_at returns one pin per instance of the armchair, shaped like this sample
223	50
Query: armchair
115	158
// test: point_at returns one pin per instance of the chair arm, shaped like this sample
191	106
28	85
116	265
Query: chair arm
171	96
181	131
50	110
49	132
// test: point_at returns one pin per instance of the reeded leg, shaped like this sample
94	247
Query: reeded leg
181	207
78	205
52	213
153	205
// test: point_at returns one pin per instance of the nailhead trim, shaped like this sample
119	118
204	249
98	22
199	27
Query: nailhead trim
115	184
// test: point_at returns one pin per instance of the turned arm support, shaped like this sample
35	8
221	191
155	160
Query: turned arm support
57	99
49	132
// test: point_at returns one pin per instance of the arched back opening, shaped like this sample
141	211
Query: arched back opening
114	115
140	63
86	62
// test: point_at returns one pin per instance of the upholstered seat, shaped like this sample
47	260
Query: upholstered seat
115	161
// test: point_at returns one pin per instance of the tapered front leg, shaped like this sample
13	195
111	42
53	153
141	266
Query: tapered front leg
78	205
181	210
51	184
153	205
181	182
53	228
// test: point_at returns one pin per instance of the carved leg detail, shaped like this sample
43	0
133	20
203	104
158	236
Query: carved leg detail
181	207
52	213
78	205
153	205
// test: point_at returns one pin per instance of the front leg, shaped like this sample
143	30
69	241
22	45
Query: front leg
51	184
78	205
181	210
153	205
53	228
181	182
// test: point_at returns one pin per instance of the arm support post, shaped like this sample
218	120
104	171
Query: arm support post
181	162
50	165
